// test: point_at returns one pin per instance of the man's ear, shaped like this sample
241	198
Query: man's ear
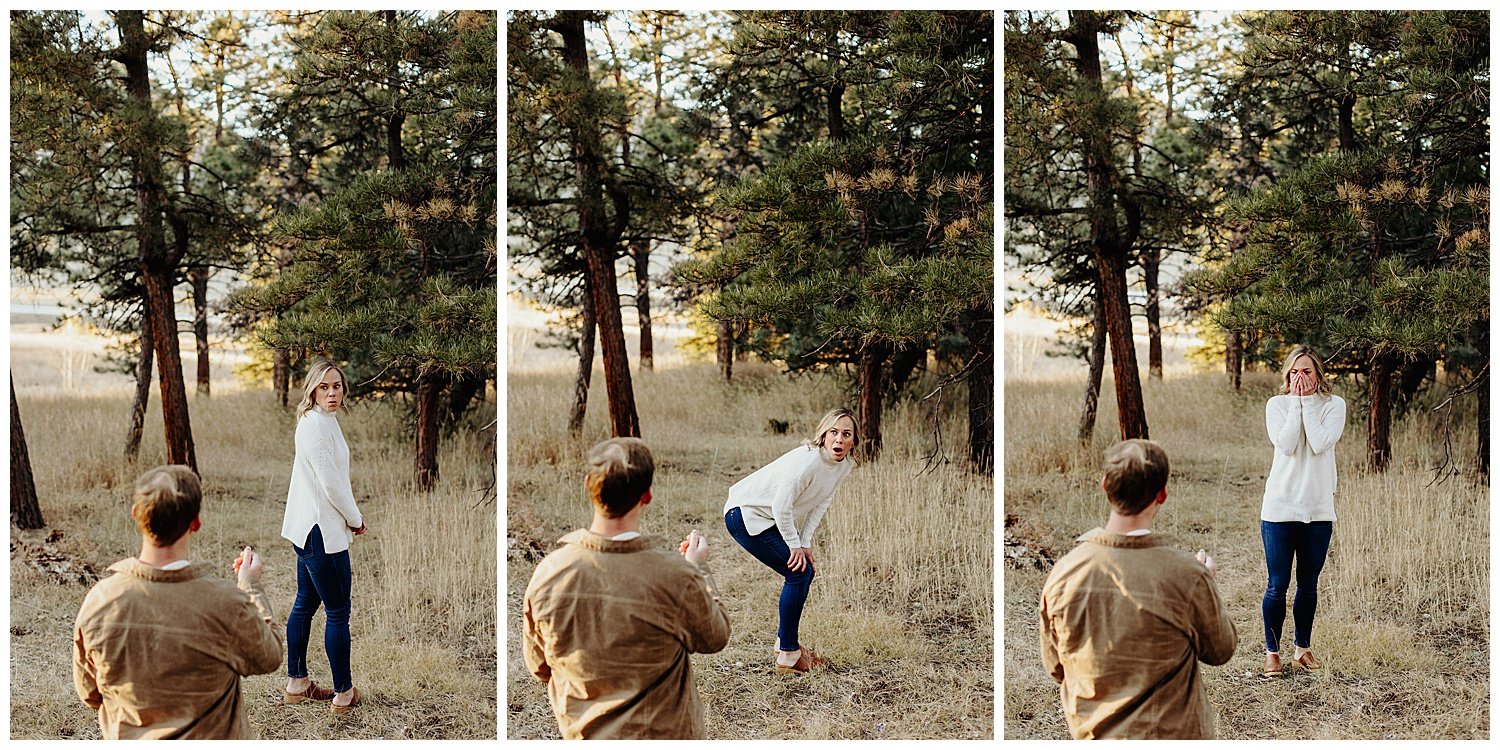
1161	497
646	498
195	525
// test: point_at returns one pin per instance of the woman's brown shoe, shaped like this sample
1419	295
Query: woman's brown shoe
1273	666
314	692
358	699
805	662
1308	661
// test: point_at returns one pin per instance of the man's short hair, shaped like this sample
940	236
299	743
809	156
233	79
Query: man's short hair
620	471
167	499
1135	472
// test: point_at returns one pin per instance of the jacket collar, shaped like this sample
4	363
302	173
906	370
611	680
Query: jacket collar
134	568
589	540
1116	539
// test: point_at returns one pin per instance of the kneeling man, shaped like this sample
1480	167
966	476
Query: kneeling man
611	617
1126	618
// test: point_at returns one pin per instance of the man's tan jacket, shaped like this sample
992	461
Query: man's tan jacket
159	653
609	626
1125	622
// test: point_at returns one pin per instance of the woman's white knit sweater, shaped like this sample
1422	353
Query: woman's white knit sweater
320	493
799	485
1303	478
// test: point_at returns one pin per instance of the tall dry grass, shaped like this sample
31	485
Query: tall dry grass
1403	608
902	605
424	579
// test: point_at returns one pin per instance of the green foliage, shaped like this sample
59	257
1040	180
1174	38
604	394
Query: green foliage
1381	249
879	236
394	269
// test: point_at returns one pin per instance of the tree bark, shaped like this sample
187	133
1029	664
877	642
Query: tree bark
1233	364
25	511
1150	270
871	366
396	118
597	235
281	374
1378	445
157	263
981	383
1107	243
836	131
1097	342
429	388
585	362
143	372
641	252
1483	443
198	276
724	350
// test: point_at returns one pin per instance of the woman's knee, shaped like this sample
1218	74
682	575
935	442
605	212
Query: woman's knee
1276	586
800	578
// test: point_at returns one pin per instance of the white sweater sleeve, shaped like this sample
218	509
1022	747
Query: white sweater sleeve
1284	423
783	504
335	485
1324	427
815	518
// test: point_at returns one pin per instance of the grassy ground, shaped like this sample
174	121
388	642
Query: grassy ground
424	578
903	603
1403	617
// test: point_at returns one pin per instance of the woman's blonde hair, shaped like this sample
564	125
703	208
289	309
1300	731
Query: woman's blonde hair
1286	370
315	374
826	423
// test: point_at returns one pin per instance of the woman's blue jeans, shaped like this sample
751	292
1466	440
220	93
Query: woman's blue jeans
321	579
769	548
1307	542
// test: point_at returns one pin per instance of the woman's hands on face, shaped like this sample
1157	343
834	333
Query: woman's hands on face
1302	385
801	559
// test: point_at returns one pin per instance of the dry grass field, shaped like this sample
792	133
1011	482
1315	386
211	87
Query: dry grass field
424	650
1403	611
903	602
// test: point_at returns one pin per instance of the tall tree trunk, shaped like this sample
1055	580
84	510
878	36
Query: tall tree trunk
597	235
429	389
641	252
143	371
198	275
981	383
724	350
1107	243
585	362
836	131
1233	364
157	263
1347	142
25	511
871	367
1483	443
1097	341
1150	270
396	117
1378	446
281	374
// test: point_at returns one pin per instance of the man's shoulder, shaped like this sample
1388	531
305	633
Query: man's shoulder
1088	552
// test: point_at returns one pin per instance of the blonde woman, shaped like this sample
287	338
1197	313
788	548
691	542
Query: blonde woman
321	521
773	513
1304	421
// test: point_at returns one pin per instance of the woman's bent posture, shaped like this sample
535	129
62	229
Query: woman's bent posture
773	513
